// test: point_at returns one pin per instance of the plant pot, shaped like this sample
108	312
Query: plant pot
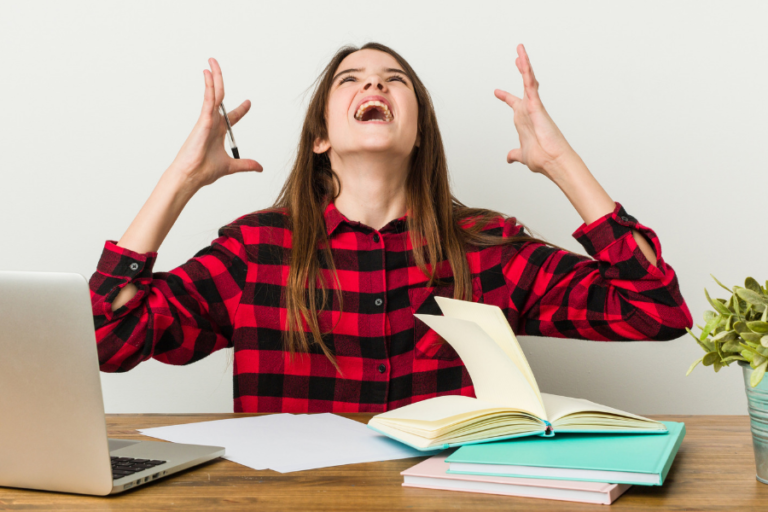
757	399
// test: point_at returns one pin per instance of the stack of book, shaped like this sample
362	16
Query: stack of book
590	468
509	435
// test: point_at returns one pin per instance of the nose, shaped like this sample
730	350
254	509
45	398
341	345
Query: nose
374	81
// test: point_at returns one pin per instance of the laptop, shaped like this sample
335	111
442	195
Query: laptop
53	433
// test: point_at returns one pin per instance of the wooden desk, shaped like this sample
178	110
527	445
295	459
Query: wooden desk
714	470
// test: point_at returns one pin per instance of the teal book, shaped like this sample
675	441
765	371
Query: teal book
507	402
617	459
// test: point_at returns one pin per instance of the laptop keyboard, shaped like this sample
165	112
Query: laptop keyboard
124	466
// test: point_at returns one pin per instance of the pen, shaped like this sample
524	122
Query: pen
232	143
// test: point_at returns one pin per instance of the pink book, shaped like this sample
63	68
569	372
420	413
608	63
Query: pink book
431	474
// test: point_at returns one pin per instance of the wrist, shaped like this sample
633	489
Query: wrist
565	167
180	183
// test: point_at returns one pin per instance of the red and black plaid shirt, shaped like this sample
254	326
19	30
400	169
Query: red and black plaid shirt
229	295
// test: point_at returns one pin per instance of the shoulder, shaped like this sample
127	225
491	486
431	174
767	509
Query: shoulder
254	227
490	223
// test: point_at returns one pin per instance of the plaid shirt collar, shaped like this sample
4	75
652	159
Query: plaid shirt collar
334	218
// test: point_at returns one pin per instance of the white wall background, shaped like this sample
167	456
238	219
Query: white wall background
665	102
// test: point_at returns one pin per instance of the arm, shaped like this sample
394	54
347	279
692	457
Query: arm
617	296
177	317
627	292
181	316
588	197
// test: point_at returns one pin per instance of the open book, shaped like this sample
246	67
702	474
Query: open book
508	404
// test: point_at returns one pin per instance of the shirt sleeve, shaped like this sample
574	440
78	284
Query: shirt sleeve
177	317
617	296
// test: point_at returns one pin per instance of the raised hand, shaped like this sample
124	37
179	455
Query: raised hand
202	158
542	145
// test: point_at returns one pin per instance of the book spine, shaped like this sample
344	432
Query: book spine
670	455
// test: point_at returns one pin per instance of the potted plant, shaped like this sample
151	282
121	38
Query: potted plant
738	331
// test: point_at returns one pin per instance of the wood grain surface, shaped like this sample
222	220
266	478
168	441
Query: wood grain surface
714	470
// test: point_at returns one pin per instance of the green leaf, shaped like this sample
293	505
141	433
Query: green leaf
736	306
702	343
758	360
721	284
751	284
710	358
719	306
708	328
749	348
764	341
757	374
708	315
725	336
764	318
751	336
731	346
693	366
718	365
733	358
758	299
740	327
758	326
747	355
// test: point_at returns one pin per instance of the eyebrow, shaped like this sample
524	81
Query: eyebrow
358	70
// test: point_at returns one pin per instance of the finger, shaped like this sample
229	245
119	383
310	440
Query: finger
209	98
514	156
238	113
218	81
509	99
529	79
244	165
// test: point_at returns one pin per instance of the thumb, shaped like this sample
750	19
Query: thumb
514	156
244	165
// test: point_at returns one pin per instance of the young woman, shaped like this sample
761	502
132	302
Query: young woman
316	295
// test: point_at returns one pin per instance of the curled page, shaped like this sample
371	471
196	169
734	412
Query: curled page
495	376
491	319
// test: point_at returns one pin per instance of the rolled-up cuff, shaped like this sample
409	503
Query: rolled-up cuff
120	262
609	228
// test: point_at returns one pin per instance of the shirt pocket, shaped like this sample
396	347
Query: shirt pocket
427	343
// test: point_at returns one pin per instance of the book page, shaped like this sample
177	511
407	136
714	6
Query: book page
495	376
559	407
438	410
492	320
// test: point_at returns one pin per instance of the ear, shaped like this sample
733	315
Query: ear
321	146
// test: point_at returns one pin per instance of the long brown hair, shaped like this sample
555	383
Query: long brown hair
435	216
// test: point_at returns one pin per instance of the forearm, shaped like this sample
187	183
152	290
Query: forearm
153	222
588	197
159	213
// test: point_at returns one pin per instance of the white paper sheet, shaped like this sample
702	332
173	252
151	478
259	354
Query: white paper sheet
289	442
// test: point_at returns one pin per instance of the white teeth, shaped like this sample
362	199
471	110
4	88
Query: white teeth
369	104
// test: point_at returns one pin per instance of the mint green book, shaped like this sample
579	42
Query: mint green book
507	402
616	459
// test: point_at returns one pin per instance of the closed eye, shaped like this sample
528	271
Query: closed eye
394	77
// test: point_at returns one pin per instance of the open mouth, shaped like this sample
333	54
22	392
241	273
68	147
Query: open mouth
374	112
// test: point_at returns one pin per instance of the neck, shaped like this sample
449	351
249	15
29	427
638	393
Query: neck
372	188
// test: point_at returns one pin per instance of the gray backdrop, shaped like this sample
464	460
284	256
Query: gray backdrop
665	102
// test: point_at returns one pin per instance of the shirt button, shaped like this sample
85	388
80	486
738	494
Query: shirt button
376	237
382	368
134	266
625	219
378	302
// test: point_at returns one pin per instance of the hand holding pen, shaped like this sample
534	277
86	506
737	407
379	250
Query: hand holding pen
203	159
